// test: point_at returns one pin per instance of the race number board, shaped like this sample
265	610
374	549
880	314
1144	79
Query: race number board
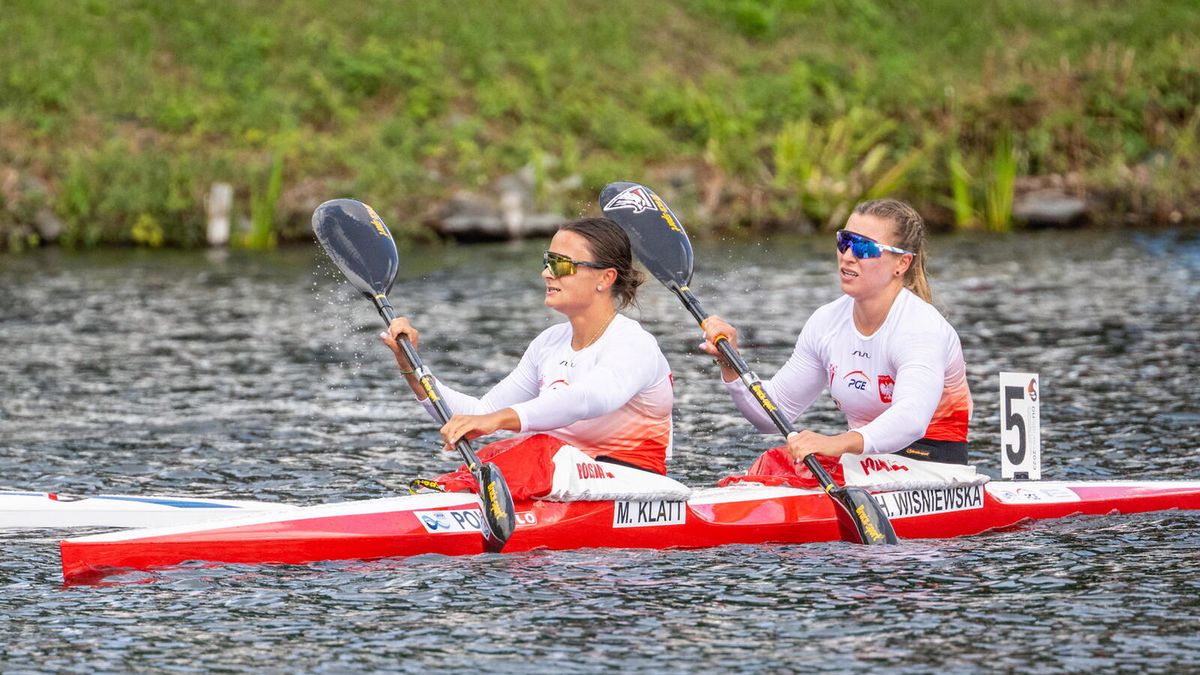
1020	426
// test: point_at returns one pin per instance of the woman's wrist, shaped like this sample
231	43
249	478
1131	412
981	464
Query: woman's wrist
852	443
507	419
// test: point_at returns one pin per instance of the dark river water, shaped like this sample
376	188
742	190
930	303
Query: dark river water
259	375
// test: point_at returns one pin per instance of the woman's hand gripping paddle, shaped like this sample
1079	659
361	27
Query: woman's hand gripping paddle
661	244
362	247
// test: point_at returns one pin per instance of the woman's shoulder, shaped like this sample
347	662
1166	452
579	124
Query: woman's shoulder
631	330
917	305
627	339
552	335
831	313
918	316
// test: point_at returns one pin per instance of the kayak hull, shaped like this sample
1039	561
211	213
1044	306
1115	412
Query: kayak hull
23	510
448	524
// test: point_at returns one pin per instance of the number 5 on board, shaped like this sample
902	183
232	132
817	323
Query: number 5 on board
1020	426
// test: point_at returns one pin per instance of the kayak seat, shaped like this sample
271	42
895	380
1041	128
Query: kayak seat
543	467
872	472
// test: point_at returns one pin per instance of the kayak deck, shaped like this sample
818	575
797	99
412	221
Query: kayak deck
51	510
448	524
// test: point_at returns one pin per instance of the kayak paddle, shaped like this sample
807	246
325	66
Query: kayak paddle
661	244
362	247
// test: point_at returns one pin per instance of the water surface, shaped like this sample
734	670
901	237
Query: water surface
260	376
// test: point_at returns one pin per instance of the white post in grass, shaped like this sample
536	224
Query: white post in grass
1020	426
218	205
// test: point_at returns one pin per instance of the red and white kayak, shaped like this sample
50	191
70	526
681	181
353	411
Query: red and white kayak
52	510
448	523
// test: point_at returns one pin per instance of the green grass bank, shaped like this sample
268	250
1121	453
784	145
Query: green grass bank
749	115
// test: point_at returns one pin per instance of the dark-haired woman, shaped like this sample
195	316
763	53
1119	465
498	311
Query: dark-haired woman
892	363
598	381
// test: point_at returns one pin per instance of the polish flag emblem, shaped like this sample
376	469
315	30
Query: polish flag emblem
886	385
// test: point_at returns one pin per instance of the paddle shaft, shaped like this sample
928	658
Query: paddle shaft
425	377
658	239
362	247
754	384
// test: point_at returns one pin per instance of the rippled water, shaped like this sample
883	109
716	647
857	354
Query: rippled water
259	376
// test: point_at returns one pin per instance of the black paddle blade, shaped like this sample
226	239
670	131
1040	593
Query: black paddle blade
499	514
656	233
359	243
860	517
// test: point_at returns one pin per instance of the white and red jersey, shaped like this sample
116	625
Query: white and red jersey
612	398
905	382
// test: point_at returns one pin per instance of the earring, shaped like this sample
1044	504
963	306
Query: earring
599	288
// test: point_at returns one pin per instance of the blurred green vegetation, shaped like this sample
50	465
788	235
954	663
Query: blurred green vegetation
117	116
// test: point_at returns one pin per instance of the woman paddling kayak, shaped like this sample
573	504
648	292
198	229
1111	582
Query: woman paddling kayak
892	363
598	381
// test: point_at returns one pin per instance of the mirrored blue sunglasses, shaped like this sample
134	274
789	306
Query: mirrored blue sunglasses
864	247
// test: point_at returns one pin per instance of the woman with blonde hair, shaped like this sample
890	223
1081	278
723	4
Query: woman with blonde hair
892	362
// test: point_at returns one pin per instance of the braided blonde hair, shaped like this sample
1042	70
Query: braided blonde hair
910	236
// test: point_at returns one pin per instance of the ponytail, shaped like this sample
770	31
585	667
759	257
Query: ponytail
610	247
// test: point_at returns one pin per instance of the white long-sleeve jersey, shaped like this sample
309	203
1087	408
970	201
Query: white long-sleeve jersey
612	398
905	382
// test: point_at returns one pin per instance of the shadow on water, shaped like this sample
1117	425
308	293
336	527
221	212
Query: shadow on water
260	376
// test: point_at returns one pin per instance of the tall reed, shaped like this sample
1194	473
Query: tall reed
264	204
1002	178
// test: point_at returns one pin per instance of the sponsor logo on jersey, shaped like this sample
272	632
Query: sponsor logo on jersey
649	514
886	386
856	380
863	354
908	503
